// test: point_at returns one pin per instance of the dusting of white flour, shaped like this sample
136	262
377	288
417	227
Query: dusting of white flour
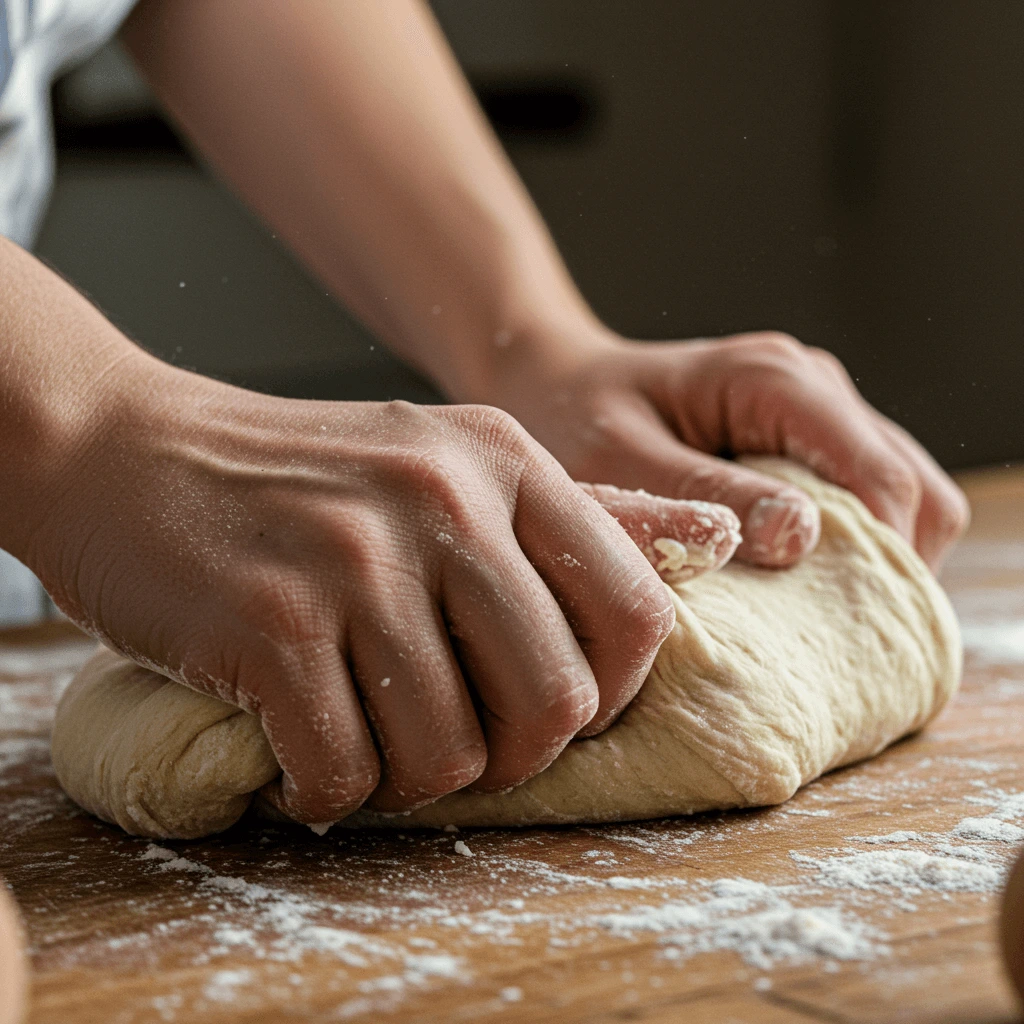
392	928
755	920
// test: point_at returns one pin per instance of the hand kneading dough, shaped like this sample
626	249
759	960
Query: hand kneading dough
769	679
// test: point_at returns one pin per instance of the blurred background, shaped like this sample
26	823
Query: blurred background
850	173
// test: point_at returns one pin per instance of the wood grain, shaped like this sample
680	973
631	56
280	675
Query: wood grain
545	925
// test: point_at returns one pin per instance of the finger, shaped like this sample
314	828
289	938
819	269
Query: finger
315	724
844	446
944	512
420	711
617	607
819	419
780	523
681	539
535	686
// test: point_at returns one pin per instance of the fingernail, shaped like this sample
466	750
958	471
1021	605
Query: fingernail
781	529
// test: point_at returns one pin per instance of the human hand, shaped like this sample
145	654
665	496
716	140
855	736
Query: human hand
656	416
413	599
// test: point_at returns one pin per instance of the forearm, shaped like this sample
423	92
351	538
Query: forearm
349	127
61	369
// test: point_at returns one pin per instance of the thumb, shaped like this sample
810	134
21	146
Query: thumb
681	539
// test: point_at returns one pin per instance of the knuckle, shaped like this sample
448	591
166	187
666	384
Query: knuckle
781	344
356	541
647	614
567	705
429	470
901	484
833	364
439	481
768	352
496	430
491	419
773	345
409	416
450	771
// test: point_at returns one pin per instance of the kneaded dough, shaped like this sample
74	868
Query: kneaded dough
768	679
153	756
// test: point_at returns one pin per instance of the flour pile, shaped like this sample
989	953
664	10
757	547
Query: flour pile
755	920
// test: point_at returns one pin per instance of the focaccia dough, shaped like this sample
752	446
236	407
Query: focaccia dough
768	679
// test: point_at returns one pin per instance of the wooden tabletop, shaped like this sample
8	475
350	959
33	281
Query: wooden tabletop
871	896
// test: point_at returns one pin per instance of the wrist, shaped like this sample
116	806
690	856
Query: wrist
57	435
531	349
538	358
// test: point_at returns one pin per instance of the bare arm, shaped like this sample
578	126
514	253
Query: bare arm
348	126
60	368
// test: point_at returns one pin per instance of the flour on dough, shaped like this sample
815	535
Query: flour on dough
768	679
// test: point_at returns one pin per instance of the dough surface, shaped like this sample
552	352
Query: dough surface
769	679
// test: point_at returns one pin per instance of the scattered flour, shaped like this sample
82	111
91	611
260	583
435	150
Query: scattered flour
766	925
892	837
282	926
910	871
757	921
622	882
223	986
370	939
990	829
18	749
1004	805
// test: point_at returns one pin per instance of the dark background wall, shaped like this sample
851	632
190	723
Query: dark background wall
848	172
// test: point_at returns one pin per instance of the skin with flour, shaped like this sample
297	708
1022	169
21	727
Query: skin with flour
289	556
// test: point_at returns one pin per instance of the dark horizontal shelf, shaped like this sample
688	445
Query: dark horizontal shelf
547	110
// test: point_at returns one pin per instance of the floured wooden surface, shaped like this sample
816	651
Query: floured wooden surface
870	896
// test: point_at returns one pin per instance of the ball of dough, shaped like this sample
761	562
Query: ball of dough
768	679
13	967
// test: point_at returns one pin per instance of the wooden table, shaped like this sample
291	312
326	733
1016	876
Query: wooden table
624	923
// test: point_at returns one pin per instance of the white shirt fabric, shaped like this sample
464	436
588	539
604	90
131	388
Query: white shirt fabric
39	39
